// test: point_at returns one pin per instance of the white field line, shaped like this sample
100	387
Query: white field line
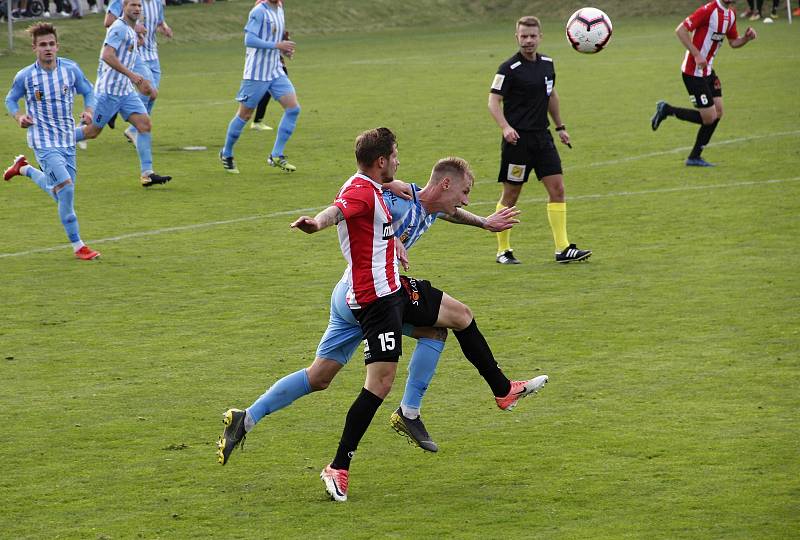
681	149
300	211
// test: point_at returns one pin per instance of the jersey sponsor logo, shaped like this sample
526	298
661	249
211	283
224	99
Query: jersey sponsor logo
497	83
341	201
516	173
388	231
549	84
717	36
65	90
37	95
515	65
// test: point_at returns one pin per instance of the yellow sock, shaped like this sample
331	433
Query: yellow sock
557	216
503	238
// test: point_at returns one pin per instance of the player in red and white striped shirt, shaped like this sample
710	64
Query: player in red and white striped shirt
702	34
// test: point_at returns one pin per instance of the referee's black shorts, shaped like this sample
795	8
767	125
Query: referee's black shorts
535	150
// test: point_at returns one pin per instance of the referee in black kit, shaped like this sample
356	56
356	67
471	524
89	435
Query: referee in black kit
522	94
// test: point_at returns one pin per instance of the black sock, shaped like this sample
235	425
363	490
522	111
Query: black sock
261	110
477	351
703	136
358	419
687	115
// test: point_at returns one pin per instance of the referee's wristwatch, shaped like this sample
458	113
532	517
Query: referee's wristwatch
562	127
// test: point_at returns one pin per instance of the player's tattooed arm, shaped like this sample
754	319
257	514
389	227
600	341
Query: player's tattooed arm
497	222
330	216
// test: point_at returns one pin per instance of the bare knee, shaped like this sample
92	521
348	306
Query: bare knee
463	317
143	125
321	373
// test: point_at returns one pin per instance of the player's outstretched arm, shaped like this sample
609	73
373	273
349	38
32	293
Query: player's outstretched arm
499	221
323	220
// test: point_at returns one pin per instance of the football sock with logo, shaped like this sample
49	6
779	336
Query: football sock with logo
358	419
261	110
703	136
420	372
687	115
557	216
503	238
477	351
144	143
285	129
280	394
38	177
66	212
234	131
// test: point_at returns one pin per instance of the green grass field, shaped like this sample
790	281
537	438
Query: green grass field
672	410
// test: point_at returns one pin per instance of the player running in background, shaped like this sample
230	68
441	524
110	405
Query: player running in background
523	93
702	34
450	177
49	86
263	72
150	22
114	89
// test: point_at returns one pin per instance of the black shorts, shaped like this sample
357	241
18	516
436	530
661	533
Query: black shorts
535	150
423	301
382	325
703	90
416	303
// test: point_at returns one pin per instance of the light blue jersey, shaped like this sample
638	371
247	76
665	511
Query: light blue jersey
115	8
122	39
410	218
152	15
267	24
49	97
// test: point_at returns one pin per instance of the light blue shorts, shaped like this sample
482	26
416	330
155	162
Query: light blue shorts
251	92
58	164
343	335
149	69
108	105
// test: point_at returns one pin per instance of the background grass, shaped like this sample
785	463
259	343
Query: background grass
672	408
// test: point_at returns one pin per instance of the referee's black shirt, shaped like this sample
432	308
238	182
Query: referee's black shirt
525	86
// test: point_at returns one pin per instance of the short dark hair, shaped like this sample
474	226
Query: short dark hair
529	20
452	166
41	29
373	144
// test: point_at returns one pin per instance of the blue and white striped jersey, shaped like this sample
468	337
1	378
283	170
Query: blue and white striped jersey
410	219
265	23
152	15
122	39
49	97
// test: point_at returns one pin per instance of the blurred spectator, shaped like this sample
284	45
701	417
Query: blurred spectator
754	13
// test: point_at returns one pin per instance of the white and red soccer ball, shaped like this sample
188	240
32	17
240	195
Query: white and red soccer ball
588	30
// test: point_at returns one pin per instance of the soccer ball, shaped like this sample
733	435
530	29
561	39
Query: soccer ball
588	30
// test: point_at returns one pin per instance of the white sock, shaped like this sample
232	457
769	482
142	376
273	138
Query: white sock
409	413
248	421
77	245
